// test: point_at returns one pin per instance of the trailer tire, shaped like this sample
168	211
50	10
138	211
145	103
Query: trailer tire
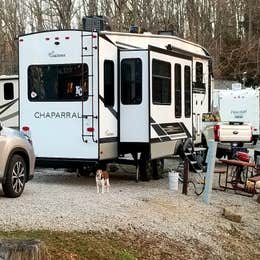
82	171
202	155
158	166
185	148
145	168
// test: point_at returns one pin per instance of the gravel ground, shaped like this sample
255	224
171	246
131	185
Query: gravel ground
59	200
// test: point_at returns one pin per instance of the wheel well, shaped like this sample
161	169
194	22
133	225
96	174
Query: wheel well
24	155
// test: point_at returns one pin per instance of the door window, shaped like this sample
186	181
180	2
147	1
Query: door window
131	81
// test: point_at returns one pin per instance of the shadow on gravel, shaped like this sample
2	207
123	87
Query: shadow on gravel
63	177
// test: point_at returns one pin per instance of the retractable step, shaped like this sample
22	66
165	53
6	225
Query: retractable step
192	156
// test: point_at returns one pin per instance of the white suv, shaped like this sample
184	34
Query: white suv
17	161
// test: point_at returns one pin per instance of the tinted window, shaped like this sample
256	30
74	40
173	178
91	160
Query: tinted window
161	84
131	81
177	84
57	82
8	91
109	83
199	72
187	91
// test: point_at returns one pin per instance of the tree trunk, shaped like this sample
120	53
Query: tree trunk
11	249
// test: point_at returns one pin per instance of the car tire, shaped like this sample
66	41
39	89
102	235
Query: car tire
15	177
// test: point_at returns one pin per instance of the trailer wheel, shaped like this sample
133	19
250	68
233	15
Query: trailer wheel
202	155
145	168
85	171
187	147
158	166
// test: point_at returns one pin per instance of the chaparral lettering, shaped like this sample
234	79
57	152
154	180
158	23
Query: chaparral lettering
57	115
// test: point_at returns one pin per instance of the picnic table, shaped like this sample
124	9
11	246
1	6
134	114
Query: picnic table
237	175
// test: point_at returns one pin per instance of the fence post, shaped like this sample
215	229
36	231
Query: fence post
211	157
185	177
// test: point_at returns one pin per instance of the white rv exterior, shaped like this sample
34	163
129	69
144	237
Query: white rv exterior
9	100
89	97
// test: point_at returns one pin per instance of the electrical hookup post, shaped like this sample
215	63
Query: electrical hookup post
211	158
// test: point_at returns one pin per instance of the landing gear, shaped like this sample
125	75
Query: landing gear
158	166
148	169
145	168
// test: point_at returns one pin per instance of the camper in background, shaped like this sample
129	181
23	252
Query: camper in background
239	106
90	97
9	100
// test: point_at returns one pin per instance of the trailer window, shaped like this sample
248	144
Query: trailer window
131	81
177	84
161	82
9	91
198	85
199	72
109	98
187	91
64	82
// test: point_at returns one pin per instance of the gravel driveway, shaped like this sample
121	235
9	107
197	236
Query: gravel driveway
59	200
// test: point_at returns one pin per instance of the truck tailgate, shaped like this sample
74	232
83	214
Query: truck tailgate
235	133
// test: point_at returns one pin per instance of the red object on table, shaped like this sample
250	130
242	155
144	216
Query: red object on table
242	156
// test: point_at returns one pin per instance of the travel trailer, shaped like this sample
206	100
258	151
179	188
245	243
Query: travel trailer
239	106
90	97
9	100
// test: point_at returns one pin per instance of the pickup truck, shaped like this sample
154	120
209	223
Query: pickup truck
227	134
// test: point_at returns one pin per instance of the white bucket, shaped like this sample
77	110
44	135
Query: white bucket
173	180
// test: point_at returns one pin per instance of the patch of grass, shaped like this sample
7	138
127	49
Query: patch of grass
76	245
125	255
122	245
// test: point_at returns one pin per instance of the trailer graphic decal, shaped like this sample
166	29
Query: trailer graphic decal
168	131
9	116
7	105
111	109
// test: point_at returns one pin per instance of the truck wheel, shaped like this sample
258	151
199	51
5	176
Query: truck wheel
220	154
16	172
158	166
145	168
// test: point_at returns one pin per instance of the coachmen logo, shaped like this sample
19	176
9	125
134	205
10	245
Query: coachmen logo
56	55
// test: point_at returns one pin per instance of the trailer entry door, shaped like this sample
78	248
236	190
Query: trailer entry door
134	96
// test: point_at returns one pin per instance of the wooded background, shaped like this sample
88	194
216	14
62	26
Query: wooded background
228	29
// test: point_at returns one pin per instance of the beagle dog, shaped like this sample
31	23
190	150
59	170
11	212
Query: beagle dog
102	180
